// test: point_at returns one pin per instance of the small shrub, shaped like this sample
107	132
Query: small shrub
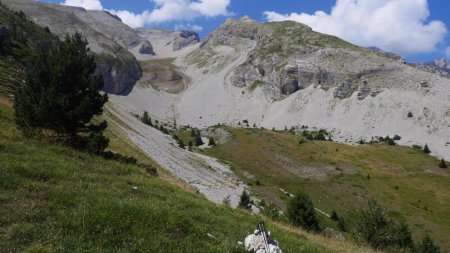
426	150
146	119
244	201
181	144
272	212
443	165
211	141
198	141
334	215
301	213
427	246
397	137
410	115
342	225
379	231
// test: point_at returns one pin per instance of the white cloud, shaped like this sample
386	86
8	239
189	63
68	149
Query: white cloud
211	8
190	27
447	52
174	10
164	11
87	4
393	25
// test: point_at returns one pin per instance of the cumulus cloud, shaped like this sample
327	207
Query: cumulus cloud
87	4
174	10
393	25
164	11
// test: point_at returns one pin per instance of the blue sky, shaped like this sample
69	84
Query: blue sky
416	29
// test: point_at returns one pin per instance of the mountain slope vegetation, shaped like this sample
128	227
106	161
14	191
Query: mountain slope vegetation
55	199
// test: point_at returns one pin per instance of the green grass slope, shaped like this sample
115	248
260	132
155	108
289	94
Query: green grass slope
405	181
54	199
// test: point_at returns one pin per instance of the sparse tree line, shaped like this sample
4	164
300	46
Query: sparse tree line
373	227
195	140
61	100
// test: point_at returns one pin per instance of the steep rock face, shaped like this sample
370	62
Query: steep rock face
289	56
108	37
174	40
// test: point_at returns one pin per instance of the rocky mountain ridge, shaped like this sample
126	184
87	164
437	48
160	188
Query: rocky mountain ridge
108	37
283	74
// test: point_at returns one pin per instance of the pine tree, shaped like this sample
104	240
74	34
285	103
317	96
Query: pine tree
301	213
198	140
342	225
211	141
181	144
427	246
146	119
245	201
443	165
426	150
61	95
334	215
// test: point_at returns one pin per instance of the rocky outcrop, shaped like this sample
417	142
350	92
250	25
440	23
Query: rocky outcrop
170	40
290	56
185	38
146	48
108	38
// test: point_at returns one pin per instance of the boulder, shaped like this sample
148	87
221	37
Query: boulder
255	243
146	48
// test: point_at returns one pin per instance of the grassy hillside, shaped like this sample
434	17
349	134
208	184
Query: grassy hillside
406	181
55	199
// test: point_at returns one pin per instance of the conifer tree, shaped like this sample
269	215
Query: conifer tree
245	201
211	141
427	246
443	165
61	95
426	150
301	212
334	215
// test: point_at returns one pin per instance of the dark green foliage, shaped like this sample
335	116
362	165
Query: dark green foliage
391	142
443	165
181	144
320	137
211	141
334	215
397	137
301	213
342	225
379	231
146	119
193	132
61	96
20	42
175	137
190	144
427	246
272	212
198	140
257	182
426	150
245	201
